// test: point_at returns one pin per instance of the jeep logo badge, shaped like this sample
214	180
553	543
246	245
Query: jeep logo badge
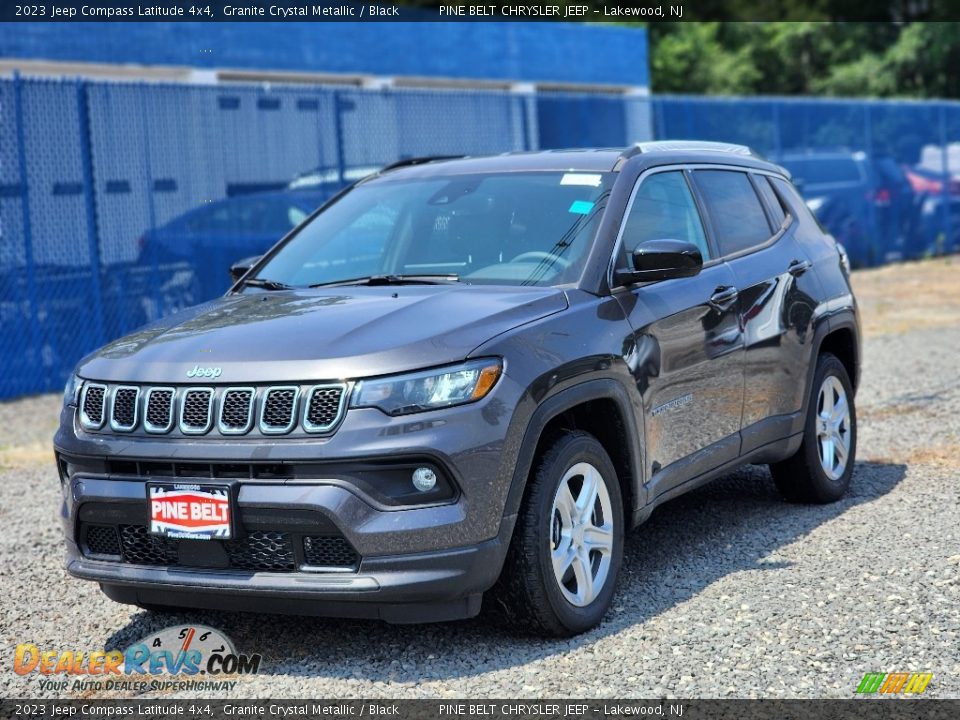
200	372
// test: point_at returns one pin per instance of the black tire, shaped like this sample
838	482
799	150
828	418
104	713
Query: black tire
529	594
802	477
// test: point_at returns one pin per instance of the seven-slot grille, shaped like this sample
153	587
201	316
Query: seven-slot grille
324	405
274	410
158	417
92	405
278	414
236	411
125	408
195	411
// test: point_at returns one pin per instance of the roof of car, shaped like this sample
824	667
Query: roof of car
583	160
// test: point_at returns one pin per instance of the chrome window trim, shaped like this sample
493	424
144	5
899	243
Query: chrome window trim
187	430
310	427
115	426
707	226
158	429
84	420
223	429
266	430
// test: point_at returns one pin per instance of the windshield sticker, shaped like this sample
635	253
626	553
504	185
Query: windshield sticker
588	179
581	207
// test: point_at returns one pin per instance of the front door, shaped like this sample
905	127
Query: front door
687	354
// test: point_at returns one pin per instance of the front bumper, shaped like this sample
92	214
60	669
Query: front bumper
416	563
424	587
435	585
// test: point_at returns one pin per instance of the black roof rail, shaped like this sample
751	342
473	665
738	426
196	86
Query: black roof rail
687	146
410	162
629	152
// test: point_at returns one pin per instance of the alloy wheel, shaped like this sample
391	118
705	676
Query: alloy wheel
581	536
833	427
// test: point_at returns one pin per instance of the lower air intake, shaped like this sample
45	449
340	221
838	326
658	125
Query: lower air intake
329	551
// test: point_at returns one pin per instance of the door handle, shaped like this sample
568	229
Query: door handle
723	297
799	267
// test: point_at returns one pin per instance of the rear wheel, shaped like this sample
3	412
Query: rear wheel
820	471
567	548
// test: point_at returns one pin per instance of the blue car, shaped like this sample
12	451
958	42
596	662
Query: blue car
186	257
864	201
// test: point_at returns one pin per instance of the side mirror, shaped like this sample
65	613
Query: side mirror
240	268
662	260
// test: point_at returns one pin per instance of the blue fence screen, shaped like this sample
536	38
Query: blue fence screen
123	202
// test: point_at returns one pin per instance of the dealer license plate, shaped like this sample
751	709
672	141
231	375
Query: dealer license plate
189	511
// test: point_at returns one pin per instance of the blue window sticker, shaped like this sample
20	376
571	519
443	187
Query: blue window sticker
581	207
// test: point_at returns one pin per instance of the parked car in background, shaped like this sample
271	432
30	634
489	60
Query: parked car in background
936	182
866	202
186	257
329	179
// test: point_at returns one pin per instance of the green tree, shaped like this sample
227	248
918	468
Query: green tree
854	59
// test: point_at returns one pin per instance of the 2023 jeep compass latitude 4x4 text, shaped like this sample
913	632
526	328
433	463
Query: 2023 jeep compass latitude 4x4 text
467	376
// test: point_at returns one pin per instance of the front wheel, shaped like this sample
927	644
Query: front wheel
567	548
820	471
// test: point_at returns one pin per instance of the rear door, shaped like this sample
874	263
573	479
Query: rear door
687	349
755	236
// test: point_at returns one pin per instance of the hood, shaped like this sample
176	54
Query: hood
322	334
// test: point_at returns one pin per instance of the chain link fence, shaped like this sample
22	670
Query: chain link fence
123	202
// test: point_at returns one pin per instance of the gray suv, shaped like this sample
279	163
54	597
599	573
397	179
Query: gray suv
467	376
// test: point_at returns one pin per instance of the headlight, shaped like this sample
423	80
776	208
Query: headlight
71	392
430	389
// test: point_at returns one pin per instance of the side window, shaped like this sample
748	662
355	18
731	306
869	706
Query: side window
734	209
798	207
664	209
771	199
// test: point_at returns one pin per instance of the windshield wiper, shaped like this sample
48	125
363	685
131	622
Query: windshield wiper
266	284
439	279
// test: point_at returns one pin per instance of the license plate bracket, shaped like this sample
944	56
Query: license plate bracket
190	511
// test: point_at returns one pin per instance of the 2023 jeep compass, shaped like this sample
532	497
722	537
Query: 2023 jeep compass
467	375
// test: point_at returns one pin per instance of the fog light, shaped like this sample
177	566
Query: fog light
424	479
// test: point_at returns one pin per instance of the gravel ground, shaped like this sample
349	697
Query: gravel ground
727	592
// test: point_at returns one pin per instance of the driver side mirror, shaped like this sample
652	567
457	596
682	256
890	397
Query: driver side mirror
662	260
240	268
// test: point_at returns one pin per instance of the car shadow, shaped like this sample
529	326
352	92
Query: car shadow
734	524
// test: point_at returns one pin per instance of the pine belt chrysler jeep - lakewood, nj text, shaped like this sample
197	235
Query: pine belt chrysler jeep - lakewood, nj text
467	376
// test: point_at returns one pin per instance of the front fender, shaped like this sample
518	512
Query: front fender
556	404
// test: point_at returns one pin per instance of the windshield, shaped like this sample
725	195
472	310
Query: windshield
530	228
